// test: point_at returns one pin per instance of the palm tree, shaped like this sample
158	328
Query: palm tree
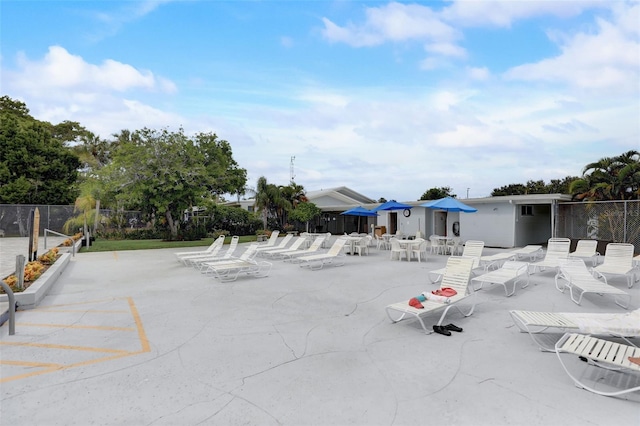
268	200
610	178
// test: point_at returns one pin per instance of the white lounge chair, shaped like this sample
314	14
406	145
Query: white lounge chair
618	260
557	251
334	257
248	255
456	276
618	375
291	255
530	252
211	250
586	249
472	250
230	270
283	244
272	239
511	270
495	261
197	261
574	274
543	327
296	245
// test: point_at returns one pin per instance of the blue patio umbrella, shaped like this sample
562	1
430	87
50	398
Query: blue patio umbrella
392	205
449	204
359	211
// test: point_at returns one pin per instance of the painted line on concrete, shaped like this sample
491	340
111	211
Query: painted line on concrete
44	367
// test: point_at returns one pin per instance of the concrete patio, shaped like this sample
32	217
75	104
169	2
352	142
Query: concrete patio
136	338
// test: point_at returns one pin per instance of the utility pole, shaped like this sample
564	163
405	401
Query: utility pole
291	175
468	192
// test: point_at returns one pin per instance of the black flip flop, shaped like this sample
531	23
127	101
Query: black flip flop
441	330
453	328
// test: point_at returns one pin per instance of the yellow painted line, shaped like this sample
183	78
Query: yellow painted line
66	347
86	327
49	368
141	333
89	302
85	311
31	364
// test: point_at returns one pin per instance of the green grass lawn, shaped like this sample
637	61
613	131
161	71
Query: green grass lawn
121	245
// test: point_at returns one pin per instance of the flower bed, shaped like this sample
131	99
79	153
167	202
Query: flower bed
40	275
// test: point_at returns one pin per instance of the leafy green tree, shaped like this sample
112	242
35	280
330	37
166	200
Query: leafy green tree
227	176
437	193
511	189
305	212
35	168
610	178
164	173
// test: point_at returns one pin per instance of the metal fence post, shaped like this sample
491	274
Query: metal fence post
20	260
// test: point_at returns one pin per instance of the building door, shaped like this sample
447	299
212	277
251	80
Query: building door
393	222
440	223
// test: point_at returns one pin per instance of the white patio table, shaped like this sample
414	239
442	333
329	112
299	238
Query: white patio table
408	245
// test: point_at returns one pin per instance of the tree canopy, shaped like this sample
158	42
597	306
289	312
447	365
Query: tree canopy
35	167
555	186
163	173
437	193
610	178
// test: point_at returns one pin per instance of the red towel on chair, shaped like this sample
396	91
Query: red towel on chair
445	291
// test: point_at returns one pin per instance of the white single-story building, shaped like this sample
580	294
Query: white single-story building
504	221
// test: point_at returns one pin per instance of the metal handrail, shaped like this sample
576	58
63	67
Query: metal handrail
49	231
12	307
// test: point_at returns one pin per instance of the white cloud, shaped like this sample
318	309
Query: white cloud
604	60
504	13
479	73
61	71
392	22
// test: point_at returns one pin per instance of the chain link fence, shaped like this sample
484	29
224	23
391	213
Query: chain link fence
14	219
608	221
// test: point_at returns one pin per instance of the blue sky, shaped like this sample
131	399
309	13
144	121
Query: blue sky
387	98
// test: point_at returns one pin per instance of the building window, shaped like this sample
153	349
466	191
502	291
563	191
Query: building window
526	210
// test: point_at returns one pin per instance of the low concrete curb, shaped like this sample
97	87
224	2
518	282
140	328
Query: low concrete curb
33	295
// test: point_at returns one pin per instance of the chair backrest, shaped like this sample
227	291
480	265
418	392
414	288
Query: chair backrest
250	252
273	238
215	245
457	273
473	248
619	255
232	247
298	242
316	244
285	241
395	245
557	248
585	248
337	246
573	268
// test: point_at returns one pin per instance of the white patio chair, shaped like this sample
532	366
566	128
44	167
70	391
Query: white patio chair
617	374
586	249
574	274
557	251
458	272
511	271
618	260
397	252
419	251
543	326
